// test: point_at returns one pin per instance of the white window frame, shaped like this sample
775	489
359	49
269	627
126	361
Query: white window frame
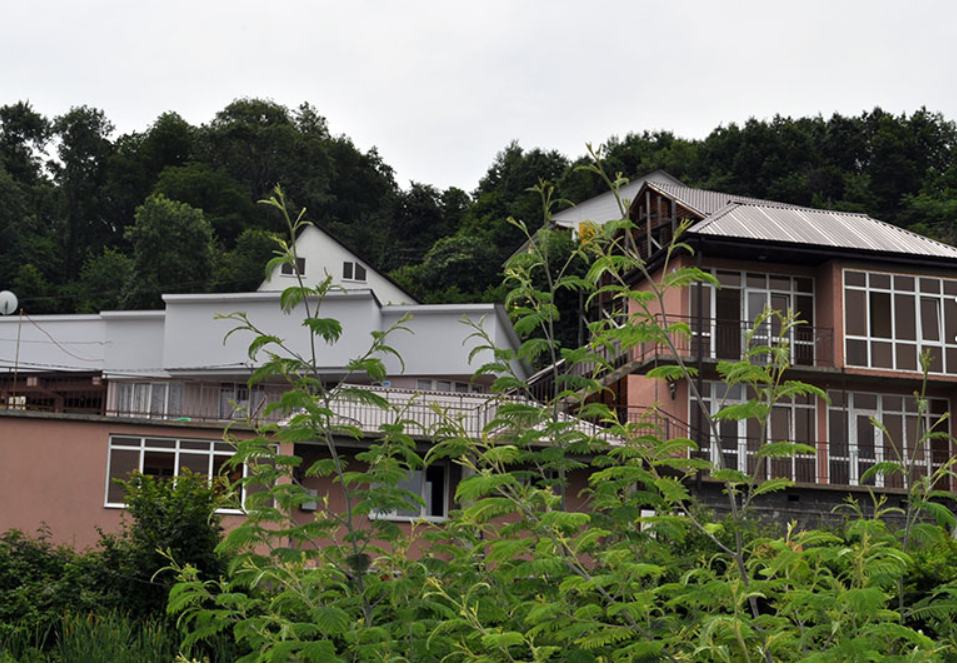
743	307
920	341
300	266
353	267
851	411
176	449
375	515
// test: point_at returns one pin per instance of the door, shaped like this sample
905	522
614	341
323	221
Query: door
865	446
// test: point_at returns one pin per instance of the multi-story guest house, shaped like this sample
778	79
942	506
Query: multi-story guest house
870	297
89	398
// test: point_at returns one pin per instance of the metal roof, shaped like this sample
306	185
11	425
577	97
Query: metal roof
797	225
704	202
603	208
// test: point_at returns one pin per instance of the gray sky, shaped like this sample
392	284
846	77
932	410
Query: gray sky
440	87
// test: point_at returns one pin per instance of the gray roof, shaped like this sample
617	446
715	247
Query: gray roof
797	225
603	208
704	202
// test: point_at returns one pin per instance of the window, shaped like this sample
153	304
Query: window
444	386
148	399
855	443
890	318
432	485
164	458
721	319
300	268
353	271
738	441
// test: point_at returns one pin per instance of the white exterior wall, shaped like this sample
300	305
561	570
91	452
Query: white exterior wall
187	340
134	342
324	255
194	337
70	343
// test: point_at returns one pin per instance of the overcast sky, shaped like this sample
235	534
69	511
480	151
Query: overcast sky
441	87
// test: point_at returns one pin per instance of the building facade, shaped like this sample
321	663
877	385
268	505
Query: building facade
869	299
88	399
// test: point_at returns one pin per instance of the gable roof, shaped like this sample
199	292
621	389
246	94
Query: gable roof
603	208
704	202
323	249
776	222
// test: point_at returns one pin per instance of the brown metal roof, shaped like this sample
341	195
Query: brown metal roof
777	222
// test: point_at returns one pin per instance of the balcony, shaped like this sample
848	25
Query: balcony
711	340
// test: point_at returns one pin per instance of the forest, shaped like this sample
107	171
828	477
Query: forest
93	221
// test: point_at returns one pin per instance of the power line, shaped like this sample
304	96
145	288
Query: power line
58	345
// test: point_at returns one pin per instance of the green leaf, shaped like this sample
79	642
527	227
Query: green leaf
328	328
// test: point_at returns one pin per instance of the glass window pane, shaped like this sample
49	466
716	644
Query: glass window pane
907	357
158	400
423	384
412	484
360	272
880	280
757	281
881	354
930	285
950	287
857	352
855	279
803	285
864	400
780	283
122	464
905	323
347	270
904	283
880	315
855	319
936	360
444	386
197	463
930	318
155	443
728	278
175	403
126	441
159	464
435	491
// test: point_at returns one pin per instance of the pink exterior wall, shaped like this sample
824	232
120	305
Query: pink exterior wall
54	472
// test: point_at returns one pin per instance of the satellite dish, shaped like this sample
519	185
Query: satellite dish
8	302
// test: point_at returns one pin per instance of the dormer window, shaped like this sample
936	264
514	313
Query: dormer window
353	271
300	268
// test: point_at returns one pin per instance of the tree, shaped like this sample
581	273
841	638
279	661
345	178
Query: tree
84	148
171	251
100	284
224	202
23	137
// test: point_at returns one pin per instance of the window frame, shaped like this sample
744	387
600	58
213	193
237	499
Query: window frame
924	289
393	516
176	449
354	269
287	270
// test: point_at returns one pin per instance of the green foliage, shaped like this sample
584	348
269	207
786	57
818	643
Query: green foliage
171	248
170	519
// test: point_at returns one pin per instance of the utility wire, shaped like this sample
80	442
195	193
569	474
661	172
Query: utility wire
58	345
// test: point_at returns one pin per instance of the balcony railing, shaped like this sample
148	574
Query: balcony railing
711	339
